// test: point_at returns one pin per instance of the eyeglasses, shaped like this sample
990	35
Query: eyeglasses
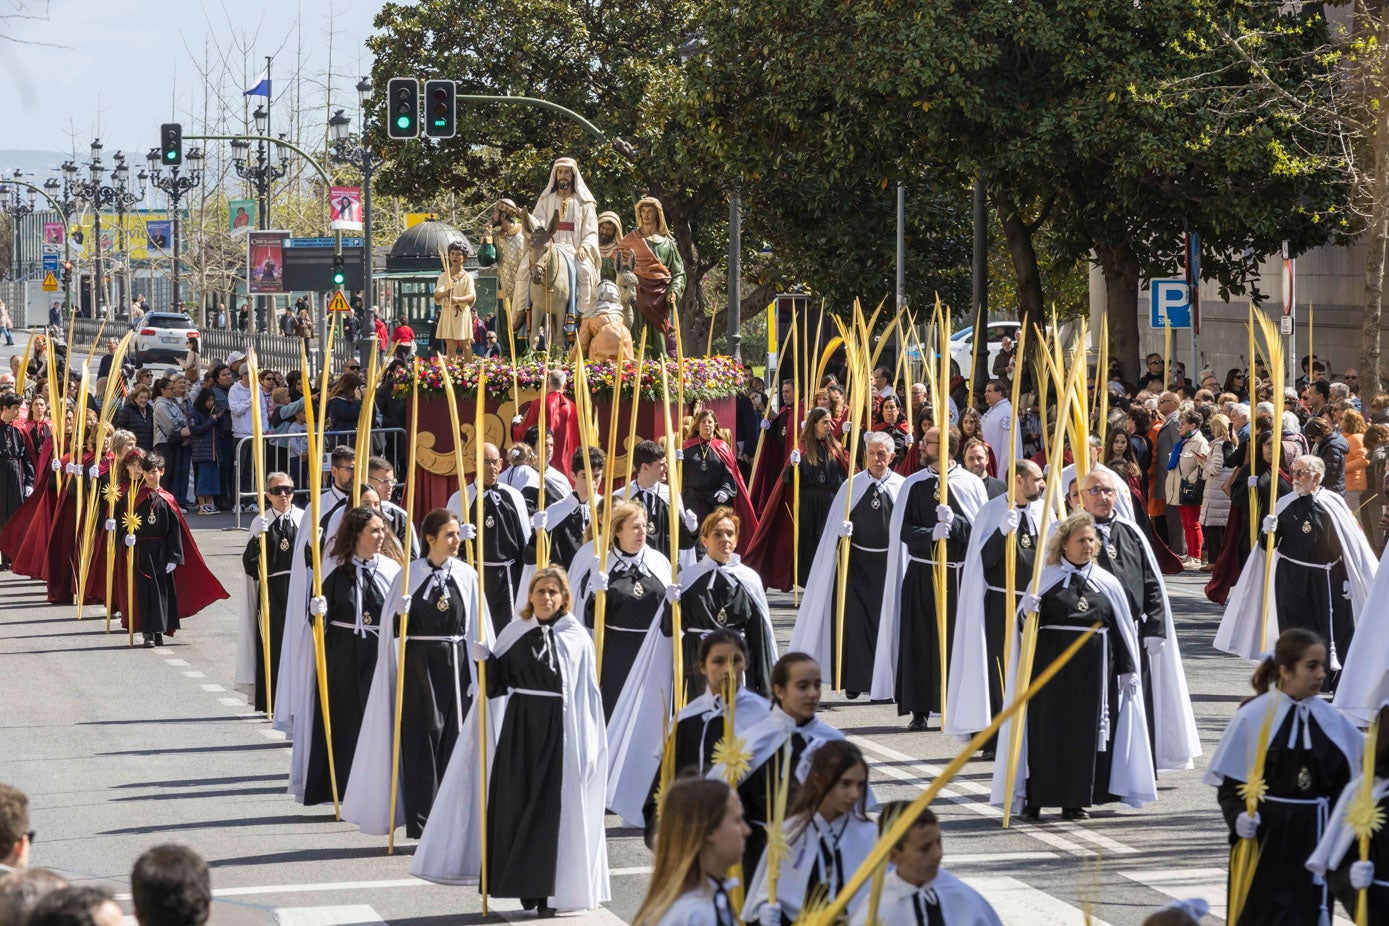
352	369
1099	492
32	834
388	483
280	490
1301	472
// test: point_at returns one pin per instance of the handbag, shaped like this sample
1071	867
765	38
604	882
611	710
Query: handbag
1192	492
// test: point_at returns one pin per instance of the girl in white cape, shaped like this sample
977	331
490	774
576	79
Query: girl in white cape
702	836
829	836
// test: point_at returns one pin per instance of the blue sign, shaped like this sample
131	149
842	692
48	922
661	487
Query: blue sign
322	242
1171	304
50	263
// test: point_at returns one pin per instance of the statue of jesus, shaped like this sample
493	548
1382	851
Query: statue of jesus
567	201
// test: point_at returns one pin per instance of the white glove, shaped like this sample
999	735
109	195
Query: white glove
1153	645
672	593
1010	521
679	456
846	528
110	524
600	581
169	568
1252	482
1270	523
93	472
1361	874
478	652
795	461
940	532
910	440
691	522
130	540
259	525
540	520
1030	603
847	427
405	601
769	914
72	469
318	606
467	531
28	490
516	420
766	425
1247	825
722	496
1128	683
57	465
945	515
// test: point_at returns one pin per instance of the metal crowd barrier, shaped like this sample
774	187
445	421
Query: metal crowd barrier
279	456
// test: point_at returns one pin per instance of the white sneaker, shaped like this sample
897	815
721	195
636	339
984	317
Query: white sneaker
251	509
236	509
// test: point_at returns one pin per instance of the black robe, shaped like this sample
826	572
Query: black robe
503	555
1377	895
695	739
1308	596
658	521
703	477
279	552
863	599
16	470
819	483
566	536
627	618
1281	892
159	540
1065	766
754	792
919	683
350	659
523	807
434	697
718	602
1122	556
998	612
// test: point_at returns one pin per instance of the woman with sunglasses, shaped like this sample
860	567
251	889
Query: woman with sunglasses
1236	383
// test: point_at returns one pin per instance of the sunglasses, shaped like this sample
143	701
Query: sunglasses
280	490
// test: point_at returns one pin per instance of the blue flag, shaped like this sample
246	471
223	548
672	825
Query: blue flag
261	87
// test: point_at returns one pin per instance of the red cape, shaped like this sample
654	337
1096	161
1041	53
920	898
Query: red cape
194	584
742	504
561	420
770	551
773	460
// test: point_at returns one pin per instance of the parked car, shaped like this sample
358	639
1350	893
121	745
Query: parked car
962	342
163	336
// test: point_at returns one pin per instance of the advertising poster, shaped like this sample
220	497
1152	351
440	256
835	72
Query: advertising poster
159	235
345	208
265	261
241	215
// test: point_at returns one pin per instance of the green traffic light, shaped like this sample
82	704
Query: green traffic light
402	121
440	123
170	155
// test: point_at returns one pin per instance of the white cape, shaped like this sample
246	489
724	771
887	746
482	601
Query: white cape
1338	838
962	486
858	839
967	707
1131	777
960	904
1364	682
814	630
368	799
771	733
449	850
994	425
1242	625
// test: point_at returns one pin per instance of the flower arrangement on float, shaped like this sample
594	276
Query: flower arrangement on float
704	377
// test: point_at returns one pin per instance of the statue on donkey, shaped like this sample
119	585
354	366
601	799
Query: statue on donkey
559	269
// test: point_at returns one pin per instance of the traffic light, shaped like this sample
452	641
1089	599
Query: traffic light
171	144
440	117
339	271
403	107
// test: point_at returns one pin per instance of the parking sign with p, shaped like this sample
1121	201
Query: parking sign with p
1171	304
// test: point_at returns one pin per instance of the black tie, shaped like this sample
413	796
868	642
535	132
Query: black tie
723	910
928	908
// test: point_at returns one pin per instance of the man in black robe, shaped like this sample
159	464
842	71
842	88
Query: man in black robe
158	548
649	489
976	460
280	525
566	519
16	466
924	521
505	535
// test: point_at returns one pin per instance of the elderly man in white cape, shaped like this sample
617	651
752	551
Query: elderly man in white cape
450	849
1321	563
1123	498
566	199
984	618
636	727
870	497
908	665
1132	779
368	798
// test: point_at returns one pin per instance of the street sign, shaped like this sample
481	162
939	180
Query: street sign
1171	304
50	283
339	303
323	242
309	264
50	263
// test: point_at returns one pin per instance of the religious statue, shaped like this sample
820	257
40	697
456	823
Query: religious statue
659	270
609	231
568	211
504	247
455	294
603	335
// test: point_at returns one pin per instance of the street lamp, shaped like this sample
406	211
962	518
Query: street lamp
260	174
176	185
13	203
97	195
123	199
359	154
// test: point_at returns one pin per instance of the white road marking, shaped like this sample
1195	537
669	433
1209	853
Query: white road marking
1207	883
344	915
212	688
194	675
176	662
231	702
960	791
1017	904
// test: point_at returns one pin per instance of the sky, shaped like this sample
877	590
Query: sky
121	67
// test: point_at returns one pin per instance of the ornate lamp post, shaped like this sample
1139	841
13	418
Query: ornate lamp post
123	199
176	184
261	175
357	152
95	193
14	204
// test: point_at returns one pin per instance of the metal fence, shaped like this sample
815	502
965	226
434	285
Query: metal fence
273	352
287	453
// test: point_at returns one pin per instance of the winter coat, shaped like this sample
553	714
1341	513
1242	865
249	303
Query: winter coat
1188	466
169	419
1333	452
1356	462
130	418
204	437
1215	504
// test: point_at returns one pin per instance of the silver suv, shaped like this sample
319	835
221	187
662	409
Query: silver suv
163	336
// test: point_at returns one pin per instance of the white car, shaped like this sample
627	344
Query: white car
962	343
163	336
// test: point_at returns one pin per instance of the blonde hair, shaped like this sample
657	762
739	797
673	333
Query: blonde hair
622	512
555	574
691	809
1073	522
1221	430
